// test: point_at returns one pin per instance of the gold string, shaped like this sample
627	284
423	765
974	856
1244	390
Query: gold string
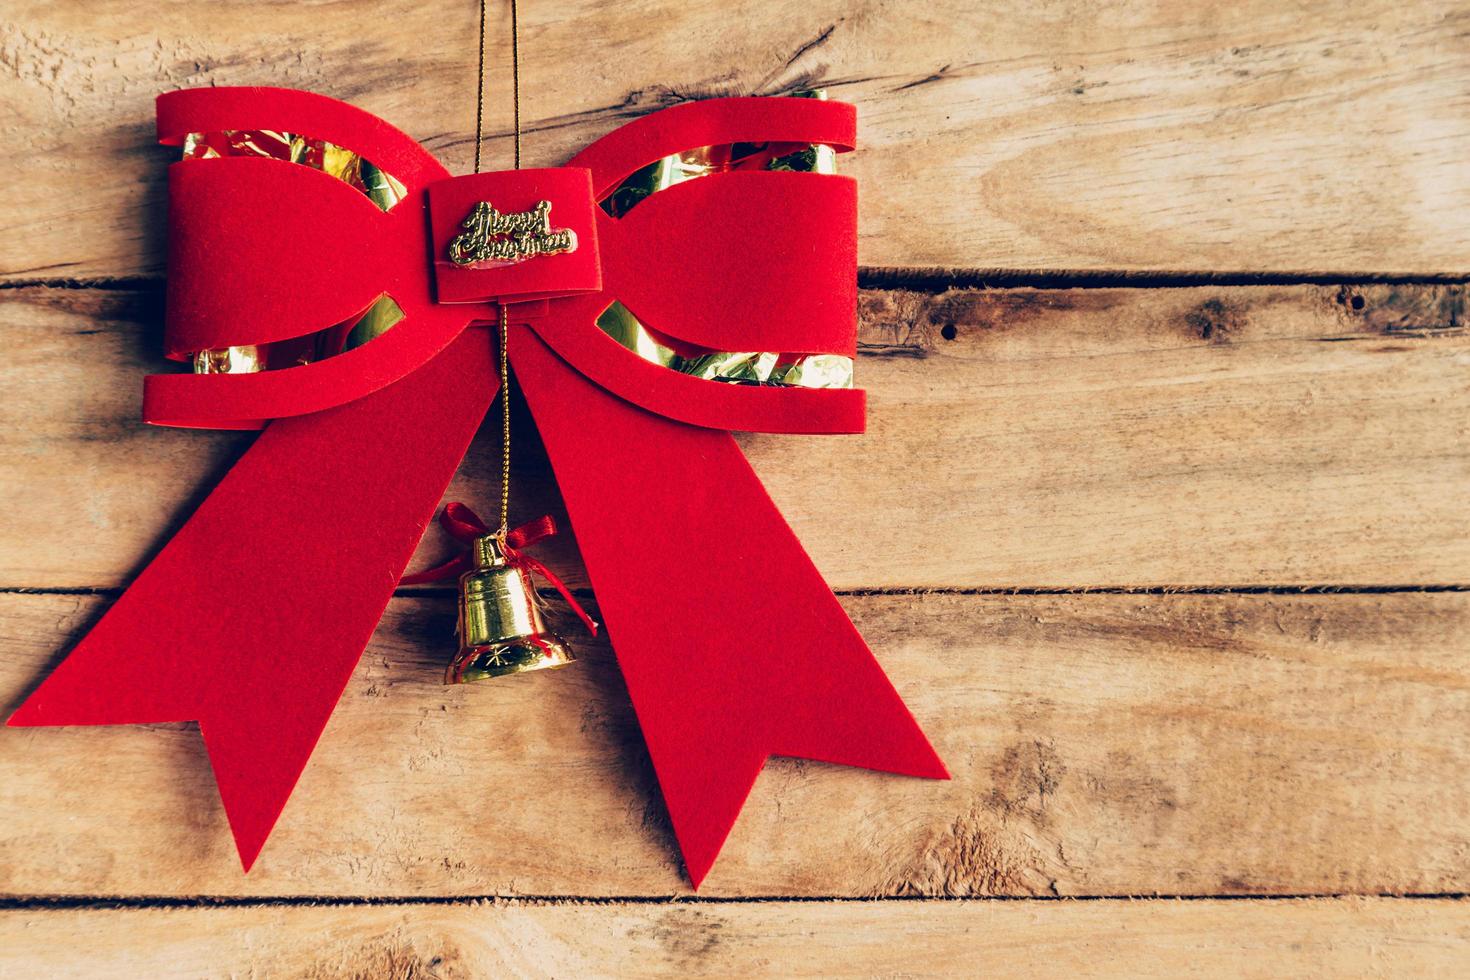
504	423
515	75
515	80
480	92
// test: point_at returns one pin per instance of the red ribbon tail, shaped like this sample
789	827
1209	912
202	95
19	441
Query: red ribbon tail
732	645
537	568
252	617
442	572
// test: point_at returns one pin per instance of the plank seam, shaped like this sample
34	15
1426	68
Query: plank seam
159	902
878	591
938	280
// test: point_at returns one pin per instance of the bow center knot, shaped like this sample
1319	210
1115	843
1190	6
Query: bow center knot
494	237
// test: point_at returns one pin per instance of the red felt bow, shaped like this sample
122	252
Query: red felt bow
464	525
732	646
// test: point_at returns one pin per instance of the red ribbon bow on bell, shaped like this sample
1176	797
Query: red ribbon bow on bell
732	646
464	526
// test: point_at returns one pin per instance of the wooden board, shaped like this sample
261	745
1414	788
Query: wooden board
1284	440
1251	136
1214	436
1323	937
1100	745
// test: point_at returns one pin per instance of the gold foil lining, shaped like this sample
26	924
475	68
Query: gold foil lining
735	367
739	367
375	321
229	360
816	158
384	313
379	186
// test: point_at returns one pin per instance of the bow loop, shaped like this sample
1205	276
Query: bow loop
711	122
262	250
735	261
742	261
463	524
250	108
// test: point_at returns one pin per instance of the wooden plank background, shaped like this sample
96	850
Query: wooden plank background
1100	745
1160	524
1248	136
1336	937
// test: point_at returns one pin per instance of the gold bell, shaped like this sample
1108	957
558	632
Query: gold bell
500	626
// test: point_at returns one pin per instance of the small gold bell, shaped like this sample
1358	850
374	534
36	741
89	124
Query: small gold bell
500	627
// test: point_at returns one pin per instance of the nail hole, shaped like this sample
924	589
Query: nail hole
1357	302
948	332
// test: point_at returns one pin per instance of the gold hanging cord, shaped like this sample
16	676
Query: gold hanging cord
515	76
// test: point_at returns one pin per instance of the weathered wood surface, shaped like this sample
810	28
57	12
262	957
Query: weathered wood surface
1210	436
1167	136
1322	937
1236	743
1100	745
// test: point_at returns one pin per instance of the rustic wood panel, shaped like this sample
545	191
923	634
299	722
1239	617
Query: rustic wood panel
1268	939
1206	436
1239	743
1100	745
1174	136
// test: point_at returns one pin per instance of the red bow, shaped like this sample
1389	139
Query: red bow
732	646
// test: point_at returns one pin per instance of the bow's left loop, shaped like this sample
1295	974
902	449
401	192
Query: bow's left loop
265	251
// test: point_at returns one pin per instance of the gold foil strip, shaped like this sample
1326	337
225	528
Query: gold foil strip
737	367
701	161
733	367
818	371
375	321
229	360
379	186
383	314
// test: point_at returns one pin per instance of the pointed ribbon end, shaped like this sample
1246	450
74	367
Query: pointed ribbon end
249	850
24	717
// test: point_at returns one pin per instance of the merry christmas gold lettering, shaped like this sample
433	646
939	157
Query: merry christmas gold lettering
496	236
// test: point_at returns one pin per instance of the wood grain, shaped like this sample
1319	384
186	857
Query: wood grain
1235	441
1299	435
1324	937
1100	745
1164	136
